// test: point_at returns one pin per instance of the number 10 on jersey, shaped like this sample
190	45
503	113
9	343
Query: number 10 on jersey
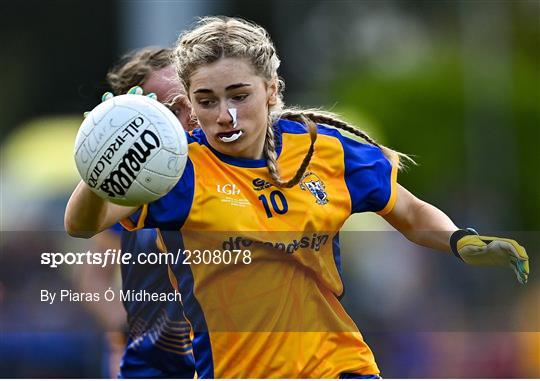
278	203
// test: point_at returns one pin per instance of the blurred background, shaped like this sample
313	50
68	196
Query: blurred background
454	83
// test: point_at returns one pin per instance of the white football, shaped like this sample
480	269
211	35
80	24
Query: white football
131	150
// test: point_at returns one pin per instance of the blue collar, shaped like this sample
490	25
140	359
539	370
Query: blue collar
240	161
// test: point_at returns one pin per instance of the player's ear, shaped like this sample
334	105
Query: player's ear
272	91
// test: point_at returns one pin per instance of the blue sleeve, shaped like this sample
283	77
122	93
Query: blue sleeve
370	177
170	211
116	228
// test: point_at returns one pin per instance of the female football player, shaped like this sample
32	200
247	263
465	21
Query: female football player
257	212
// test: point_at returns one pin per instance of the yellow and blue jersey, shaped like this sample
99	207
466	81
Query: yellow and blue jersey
279	315
158	339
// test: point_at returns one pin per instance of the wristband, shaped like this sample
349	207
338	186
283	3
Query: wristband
456	236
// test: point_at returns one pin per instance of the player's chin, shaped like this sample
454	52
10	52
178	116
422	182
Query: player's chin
234	148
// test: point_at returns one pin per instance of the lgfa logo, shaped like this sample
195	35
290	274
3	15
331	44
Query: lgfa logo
228	189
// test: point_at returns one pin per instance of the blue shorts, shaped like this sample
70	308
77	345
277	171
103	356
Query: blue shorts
145	360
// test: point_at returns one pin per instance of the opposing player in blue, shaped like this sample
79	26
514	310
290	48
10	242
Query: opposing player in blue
274	186
158	338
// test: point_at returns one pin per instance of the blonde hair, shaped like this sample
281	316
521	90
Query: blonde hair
134	68
213	38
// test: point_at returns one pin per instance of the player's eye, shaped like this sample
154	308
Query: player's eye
206	102
175	110
240	97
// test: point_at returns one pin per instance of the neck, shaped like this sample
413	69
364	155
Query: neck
253	152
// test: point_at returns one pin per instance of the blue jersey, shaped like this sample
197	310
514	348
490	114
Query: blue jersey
158	343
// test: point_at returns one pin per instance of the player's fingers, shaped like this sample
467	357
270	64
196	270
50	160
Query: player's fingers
512	248
516	271
85	114
152	95
517	263
137	90
521	251
521	269
508	244
106	96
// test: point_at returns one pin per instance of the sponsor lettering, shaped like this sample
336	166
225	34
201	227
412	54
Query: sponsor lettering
315	242
228	189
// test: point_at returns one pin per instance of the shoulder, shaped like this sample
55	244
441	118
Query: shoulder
291	127
195	136
333	137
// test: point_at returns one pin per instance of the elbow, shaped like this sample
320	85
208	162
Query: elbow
80	234
77	231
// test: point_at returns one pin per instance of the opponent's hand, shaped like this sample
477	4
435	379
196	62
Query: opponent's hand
137	90
479	250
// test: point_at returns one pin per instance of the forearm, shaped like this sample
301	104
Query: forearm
420	222
430	227
85	212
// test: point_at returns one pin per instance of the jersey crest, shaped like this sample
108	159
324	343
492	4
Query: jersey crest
311	182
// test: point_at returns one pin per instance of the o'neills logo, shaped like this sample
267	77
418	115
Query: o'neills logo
130	130
260	184
119	181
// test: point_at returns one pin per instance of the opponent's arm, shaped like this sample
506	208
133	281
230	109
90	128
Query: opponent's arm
424	224
88	214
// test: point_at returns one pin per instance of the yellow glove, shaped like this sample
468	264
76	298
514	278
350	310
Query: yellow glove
478	250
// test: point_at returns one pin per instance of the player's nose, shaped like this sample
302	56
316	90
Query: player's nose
224	117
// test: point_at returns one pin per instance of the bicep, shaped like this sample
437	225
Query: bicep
420	222
401	216
411	213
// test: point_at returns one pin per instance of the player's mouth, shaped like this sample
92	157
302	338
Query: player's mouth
230	136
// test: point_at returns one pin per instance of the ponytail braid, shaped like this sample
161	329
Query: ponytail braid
333	120
271	153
